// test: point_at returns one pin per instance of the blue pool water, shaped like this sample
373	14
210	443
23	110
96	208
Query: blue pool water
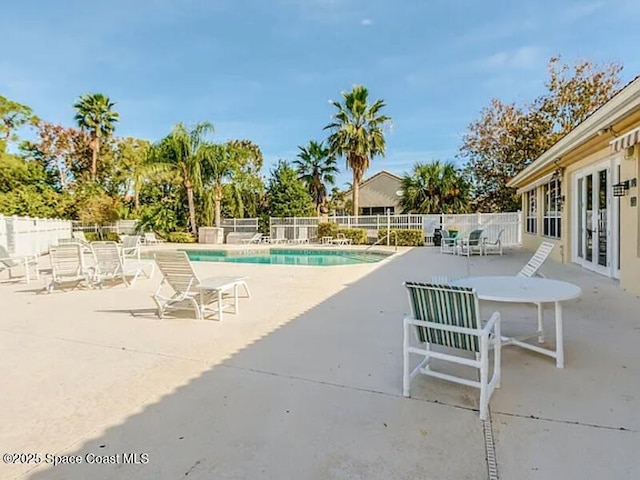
287	257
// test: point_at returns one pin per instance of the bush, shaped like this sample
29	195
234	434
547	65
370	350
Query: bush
92	237
180	237
328	229
407	237
358	236
112	237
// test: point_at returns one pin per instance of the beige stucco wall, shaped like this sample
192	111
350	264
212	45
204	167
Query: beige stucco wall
630	227
380	192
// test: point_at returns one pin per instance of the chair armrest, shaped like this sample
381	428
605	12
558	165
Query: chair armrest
446	328
491	324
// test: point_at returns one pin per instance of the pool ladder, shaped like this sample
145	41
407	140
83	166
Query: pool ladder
386	237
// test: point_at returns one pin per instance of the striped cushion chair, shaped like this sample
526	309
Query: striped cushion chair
448	316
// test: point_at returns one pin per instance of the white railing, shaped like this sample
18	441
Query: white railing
242	225
492	223
32	236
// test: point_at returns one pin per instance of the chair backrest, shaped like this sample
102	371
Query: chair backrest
130	241
66	260
445	233
150	237
475	236
447	305
534	264
256	237
5	258
303	233
499	237
177	270
79	235
107	257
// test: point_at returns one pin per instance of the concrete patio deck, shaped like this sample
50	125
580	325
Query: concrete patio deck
305	382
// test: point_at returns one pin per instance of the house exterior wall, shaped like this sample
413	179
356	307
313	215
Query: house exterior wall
629	215
380	191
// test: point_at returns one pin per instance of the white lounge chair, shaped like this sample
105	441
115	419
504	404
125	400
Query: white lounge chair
341	239
110	265
531	269
78	241
10	262
494	246
131	247
191	293
68	266
449	317
257	238
472	244
151	238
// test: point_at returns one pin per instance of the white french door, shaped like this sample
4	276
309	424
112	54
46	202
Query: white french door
596	219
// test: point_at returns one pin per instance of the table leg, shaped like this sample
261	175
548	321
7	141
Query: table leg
540	325
559	339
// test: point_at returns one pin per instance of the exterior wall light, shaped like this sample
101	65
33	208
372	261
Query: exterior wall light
620	189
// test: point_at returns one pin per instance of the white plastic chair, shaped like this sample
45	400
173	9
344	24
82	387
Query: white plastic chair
131	246
10	262
257	238
151	238
448	316
472	244
494	246
448	244
110	265
68	266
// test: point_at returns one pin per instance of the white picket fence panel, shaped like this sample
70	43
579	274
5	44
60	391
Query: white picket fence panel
32	236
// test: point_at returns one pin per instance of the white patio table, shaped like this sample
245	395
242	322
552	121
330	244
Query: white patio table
527	290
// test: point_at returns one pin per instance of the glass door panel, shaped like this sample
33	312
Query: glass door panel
589	218
602	218
580	219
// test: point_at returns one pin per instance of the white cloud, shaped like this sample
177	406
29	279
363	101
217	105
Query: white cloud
521	58
366	22
577	12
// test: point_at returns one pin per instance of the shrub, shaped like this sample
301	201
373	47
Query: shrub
358	236
112	237
328	229
407	237
180	237
92	237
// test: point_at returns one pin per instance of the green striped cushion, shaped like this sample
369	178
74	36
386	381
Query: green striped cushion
448	305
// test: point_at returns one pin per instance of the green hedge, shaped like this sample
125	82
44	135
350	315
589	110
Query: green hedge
180	237
112	237
358	236
328	229
91	237
407	237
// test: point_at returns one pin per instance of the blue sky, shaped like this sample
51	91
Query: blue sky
265	69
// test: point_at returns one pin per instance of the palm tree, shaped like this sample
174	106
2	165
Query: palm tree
180	153
357	134
435	188
219	163
94	114
316	167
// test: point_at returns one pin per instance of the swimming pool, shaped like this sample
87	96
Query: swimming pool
274	256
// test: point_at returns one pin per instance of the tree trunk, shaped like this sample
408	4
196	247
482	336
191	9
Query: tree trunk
192	211
136	200
217	200
95	146
355	193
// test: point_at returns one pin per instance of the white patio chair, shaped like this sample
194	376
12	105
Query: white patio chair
109	265
68	266
131	247
448	244
78	241
257	238
303	235
79	235
280	236
449	317
532	269
151	238
472	244
10	262
494	246
189	292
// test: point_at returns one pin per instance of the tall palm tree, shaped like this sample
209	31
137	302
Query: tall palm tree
94	114
435	187
316	167
219	163
180	153
357	134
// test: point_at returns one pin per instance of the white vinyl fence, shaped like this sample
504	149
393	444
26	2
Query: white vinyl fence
492	223
31	236
241	225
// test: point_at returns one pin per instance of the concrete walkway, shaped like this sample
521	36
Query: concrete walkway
305	382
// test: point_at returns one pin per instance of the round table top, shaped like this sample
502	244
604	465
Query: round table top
520	289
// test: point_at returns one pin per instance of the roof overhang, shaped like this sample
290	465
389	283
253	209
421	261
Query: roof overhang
625	102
